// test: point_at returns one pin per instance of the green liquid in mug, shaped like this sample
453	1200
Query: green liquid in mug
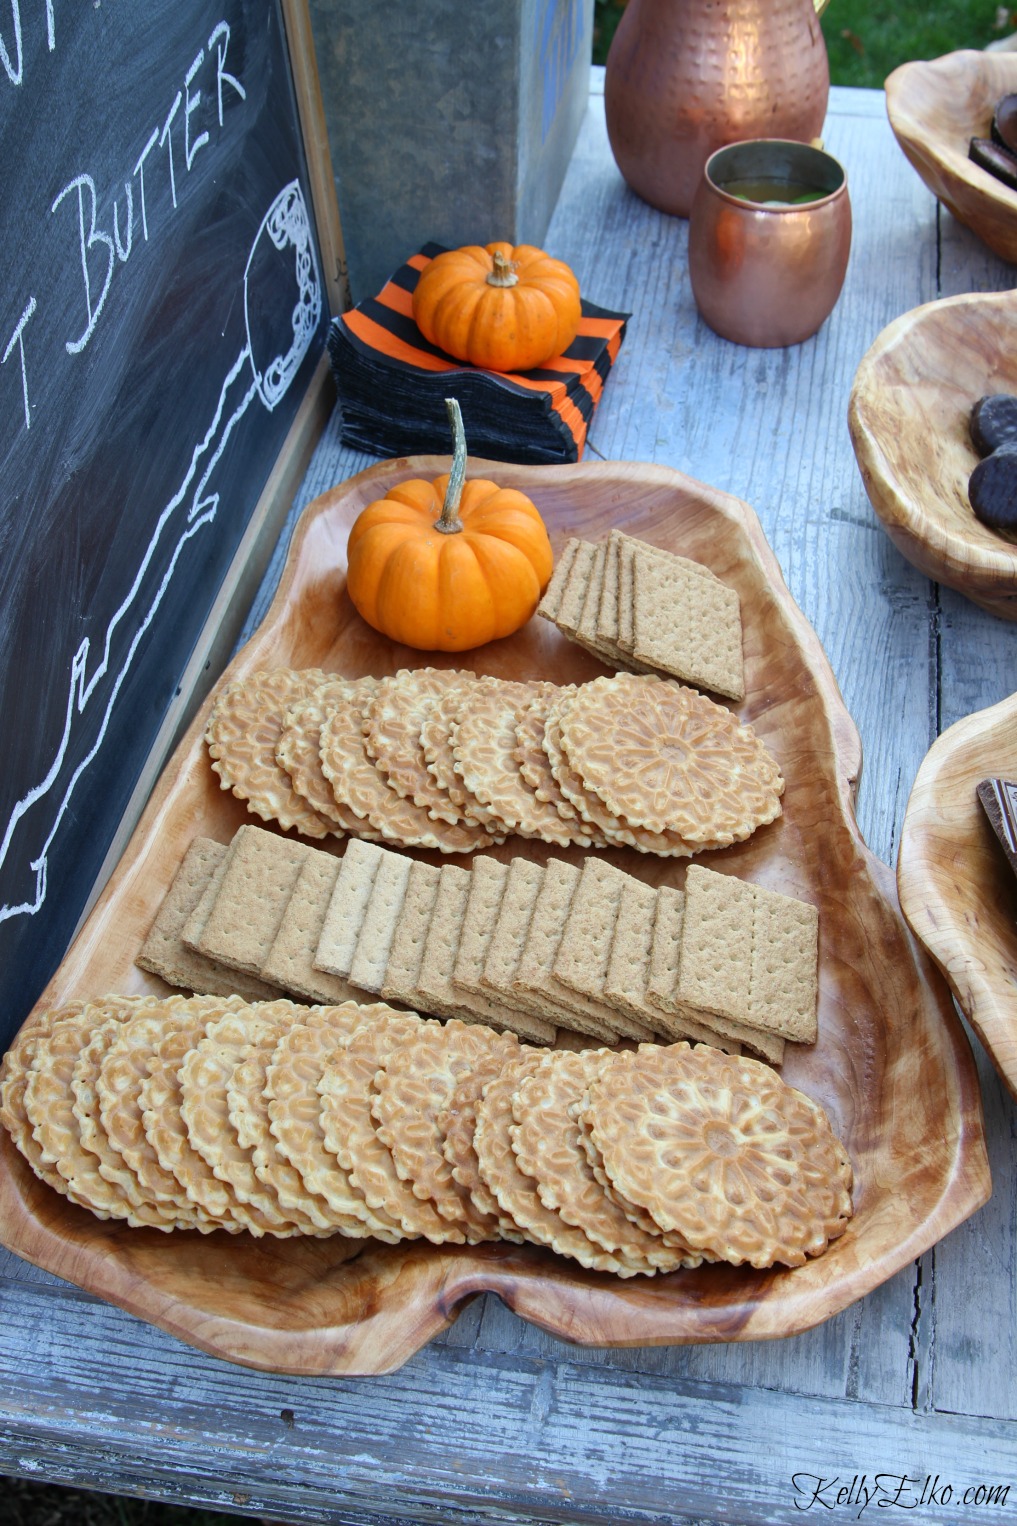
774	193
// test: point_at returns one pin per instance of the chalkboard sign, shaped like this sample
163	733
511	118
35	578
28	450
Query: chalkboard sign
161	316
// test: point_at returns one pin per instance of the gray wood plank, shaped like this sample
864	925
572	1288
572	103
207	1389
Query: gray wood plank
538	1441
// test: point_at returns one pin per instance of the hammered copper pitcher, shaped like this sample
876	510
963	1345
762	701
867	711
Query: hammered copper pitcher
686	77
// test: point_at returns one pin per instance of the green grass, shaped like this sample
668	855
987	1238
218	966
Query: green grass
866	39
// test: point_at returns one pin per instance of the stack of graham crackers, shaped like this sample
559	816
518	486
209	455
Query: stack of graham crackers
638	607
209	1113
527	949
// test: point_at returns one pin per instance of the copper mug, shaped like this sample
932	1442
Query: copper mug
768	273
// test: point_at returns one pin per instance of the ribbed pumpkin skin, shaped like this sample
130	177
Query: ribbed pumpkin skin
499	328
446	593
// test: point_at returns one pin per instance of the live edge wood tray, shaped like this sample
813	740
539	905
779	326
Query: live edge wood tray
892	1064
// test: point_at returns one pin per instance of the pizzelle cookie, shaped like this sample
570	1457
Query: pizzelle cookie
392	729
535	767
50	1106
721	1151
167	1132
13	1075
204	1104
118	1077
243	733
669	760
414	1087
457	1123
347	1099
548	1147
362	787
614	830
515	1192
484	754
298	750
437	736
247	1104
303	1055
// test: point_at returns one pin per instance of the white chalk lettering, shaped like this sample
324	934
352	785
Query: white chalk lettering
191	104
17	338
167	138
139	170
14	71
221	35
50	28
88	242
122	251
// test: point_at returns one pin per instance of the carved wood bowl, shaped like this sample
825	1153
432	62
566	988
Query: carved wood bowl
909	414
956	887
892	1065
935	109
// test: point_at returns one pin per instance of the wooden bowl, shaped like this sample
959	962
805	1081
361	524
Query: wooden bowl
909	414
892	1065
935	109
956	887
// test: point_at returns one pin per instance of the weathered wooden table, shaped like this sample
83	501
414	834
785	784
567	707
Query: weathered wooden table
496	1421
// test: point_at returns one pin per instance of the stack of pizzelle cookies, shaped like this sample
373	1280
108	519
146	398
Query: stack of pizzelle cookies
640	608
443	760
212	1113
553	953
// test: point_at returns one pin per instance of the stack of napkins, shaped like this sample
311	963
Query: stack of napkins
393	384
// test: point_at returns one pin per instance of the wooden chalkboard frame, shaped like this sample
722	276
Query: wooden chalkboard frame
222	627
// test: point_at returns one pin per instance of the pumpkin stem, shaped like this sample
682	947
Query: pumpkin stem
504	272
448	521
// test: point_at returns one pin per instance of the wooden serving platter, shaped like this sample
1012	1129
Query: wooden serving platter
892	1065
956	888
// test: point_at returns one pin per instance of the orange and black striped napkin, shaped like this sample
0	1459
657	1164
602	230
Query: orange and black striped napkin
392	384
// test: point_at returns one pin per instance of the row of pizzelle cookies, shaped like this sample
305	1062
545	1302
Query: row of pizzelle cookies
440	759
210	1113
639	607
532	949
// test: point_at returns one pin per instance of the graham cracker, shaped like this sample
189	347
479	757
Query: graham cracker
584	954
551	602
194	926
607	614
767	947
437	991
535	975
164	952
686	624
522	886
586	629
290	960
244	917
345	915
628	969
570	610
381	918
400	981
487	886
662	976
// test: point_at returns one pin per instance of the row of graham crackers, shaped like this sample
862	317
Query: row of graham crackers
526	948
639	607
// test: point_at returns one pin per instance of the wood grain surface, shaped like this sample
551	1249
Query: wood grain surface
892	1066
909	416
957	889
935	108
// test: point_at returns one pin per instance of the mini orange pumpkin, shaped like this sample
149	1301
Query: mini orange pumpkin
499	307
449	564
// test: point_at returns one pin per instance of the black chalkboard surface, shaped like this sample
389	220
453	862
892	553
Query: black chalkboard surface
161	315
